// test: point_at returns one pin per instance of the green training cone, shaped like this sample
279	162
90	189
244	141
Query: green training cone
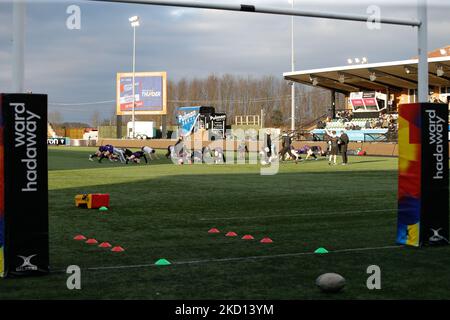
162	262
321	250
103	209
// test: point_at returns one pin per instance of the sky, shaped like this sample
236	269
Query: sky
78	67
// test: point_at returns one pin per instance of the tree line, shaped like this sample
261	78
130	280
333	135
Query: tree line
236	95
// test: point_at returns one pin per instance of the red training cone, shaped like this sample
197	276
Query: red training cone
247	237
213	230
266	240
105	245
231	234
79	237
117	249
91	241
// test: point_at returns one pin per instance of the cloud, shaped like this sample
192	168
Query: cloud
80	65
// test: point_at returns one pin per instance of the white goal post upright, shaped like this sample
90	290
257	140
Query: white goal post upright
18	64
422	46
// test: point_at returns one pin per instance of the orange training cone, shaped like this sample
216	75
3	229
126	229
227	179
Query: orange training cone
105	245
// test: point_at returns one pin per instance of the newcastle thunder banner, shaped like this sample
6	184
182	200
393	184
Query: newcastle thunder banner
423	199
150	94
23	185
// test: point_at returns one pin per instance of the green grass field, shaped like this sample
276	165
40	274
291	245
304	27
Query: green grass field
164	211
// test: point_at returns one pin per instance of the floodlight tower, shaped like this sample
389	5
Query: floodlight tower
292	69
134	23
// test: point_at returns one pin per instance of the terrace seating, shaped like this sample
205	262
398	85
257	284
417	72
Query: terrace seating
356	124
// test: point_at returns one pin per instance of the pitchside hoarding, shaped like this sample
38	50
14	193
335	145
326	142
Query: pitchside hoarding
150	93
423	199
218	124
56	141
23	185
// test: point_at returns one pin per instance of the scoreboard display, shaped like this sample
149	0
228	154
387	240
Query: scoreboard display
370	101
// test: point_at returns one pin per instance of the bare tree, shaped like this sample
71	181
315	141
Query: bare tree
237	95
95	118
55	117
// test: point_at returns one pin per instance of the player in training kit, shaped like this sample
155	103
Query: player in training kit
120	154
219	156
242	150
150	151
287	147
170	152
100	152
109	151
136	157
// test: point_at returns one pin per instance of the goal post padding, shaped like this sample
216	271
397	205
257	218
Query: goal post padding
423	199
24	243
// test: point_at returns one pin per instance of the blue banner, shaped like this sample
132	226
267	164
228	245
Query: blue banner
187	118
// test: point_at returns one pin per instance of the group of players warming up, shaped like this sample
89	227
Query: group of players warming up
123	155
267	154
335	144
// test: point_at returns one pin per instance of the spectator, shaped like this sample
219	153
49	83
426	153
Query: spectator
343	144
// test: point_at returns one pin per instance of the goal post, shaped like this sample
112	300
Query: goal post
423	199
24	243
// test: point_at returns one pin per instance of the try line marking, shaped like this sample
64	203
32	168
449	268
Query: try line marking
299	215
236	258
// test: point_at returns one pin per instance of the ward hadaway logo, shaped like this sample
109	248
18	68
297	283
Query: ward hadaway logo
27	265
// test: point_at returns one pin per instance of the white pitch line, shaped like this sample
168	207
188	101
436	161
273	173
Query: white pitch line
236	258
298	215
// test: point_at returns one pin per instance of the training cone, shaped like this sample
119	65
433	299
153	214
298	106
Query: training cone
79	237
91	241
231	234
321	250
266	240
213	230
103	209
162	262
247	237
105	245
117	249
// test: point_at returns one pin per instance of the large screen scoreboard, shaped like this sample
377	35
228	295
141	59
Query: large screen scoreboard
370	101
150	94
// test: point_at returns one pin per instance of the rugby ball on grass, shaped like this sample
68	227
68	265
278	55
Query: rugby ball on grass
330	282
